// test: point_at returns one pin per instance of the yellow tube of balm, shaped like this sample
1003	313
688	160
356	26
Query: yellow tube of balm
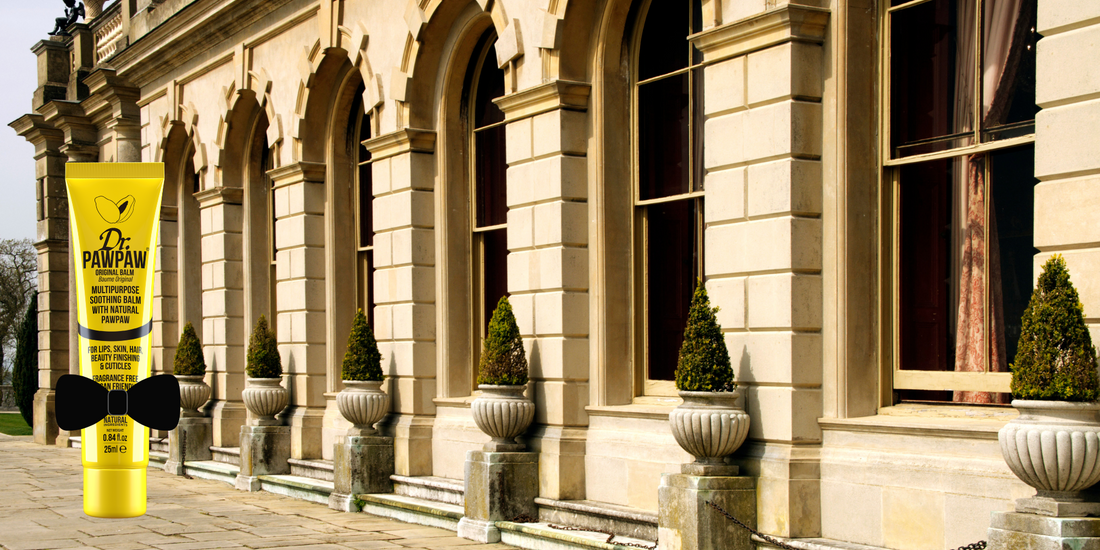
114	212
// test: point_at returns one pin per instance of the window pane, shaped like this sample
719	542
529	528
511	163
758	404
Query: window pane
924	232
664	39
491	170
490	85
1013	208
663	137
366	192
931	76
365	288
671	273
1008	72
494	269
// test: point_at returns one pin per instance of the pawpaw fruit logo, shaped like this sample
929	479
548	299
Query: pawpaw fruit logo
115	212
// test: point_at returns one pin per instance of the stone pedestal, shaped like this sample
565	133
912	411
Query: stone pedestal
686	522
1016	530
264	450
190	440
499	487
361	464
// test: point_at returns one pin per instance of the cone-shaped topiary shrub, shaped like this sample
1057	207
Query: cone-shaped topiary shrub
362	361
263	353
704	363
503	361
25	366
1055	359
189	359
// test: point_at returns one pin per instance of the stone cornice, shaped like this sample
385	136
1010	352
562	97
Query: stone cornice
787	23
559	94
302	171
33	126
194	30
401	141
42	45
220	195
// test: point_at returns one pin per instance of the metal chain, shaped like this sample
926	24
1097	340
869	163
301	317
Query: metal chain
183	452
766	538
610	536
980	545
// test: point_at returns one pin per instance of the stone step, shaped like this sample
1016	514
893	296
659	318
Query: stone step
314	468
212	469
228	455
413	510
540	536
620	520
299	487
811	544
438	489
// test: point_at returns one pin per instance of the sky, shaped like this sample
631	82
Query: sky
22	24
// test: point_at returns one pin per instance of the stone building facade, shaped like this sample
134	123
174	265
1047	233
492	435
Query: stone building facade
816	162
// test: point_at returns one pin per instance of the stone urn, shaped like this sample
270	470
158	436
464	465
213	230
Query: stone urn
503	412
264	398
1053	446
194	393
709	425
363	403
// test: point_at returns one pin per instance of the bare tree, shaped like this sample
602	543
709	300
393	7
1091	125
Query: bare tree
18	280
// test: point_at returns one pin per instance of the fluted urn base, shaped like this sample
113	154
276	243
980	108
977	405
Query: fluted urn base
1054	446
194	393
264	398
710	427
363	403
503	413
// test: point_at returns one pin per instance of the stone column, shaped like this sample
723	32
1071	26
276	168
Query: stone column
166	327
223	327
79	136
52	244
404	287
762	154
548	269
300	299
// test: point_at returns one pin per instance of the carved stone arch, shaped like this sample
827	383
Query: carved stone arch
449	24
321	73
189	117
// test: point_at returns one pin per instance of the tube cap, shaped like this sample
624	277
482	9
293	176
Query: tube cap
114	493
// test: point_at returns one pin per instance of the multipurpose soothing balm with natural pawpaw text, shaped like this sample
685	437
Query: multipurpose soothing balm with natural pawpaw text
114	212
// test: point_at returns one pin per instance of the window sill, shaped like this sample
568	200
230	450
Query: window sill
646	406
954	421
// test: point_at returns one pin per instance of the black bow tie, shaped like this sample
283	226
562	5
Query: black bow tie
153	402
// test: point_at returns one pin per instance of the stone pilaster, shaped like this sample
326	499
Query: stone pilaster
223	330
300	299
166	326
52	244
762	154
404	286
1067	158
548	269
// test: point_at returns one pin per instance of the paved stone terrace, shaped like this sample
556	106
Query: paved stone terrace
41	507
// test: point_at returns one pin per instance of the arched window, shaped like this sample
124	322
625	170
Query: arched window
487	166
668	191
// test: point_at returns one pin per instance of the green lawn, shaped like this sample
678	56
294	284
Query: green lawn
13	424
